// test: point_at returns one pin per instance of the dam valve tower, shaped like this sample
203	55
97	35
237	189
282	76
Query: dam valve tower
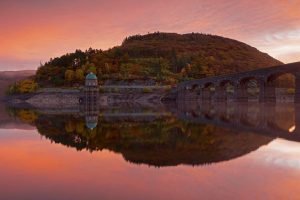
90	100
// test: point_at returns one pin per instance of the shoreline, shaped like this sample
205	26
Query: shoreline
65	98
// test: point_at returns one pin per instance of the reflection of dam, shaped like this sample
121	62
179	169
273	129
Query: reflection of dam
256	118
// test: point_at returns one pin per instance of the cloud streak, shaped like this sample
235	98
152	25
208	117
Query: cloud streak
37	30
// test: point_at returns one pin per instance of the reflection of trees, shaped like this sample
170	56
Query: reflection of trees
165	141
25	115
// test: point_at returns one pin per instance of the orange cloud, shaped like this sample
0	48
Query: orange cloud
38	30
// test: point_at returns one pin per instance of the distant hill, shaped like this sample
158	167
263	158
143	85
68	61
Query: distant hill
9	77
163	57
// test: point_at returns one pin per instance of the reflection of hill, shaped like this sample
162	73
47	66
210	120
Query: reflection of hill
161	142
213	149
10	122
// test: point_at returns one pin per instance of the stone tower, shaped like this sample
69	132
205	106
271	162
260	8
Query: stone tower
90	100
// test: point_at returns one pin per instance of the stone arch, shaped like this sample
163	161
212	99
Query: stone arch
248	79
196	88
241	88
208	90
280	86
225	82
222	90
208	84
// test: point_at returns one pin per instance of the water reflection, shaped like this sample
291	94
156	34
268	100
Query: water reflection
276	120
192	134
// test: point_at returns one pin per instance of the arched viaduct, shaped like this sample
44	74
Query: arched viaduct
265	79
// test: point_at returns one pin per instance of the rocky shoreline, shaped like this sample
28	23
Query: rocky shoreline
68	98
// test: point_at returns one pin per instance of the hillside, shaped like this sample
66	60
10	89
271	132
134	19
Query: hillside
9	77
164	57
221	55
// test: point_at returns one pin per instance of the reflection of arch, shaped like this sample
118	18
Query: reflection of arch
246	122
273	126
225	118
209	114
253	118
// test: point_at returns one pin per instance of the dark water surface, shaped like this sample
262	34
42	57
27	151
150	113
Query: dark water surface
186	151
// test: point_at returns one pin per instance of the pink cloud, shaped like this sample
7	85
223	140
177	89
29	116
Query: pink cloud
39	30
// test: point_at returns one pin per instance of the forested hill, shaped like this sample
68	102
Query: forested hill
219	54
164	57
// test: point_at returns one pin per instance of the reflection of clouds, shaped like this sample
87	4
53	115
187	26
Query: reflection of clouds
292	129
281	153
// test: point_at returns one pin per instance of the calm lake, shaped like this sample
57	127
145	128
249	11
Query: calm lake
188	151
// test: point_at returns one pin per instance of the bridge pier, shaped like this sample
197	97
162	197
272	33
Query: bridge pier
192	96
297	89
240	92
297	119
187	95
221	112
206	94
267	91
180	95
261	97
220	94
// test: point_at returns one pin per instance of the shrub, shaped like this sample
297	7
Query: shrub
115	90
101	90
24	86
147	90
291	91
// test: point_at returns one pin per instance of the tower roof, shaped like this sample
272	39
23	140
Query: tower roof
91	76
91	125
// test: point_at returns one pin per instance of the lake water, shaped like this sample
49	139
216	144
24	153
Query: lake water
187	151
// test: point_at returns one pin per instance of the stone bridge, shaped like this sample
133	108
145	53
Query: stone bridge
201	89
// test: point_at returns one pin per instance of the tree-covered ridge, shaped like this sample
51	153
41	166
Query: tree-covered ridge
164	57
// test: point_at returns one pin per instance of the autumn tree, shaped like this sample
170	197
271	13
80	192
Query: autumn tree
27	86
69	75
27	116
70	126
79	75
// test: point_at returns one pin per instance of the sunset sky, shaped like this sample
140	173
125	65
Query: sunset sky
33	31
